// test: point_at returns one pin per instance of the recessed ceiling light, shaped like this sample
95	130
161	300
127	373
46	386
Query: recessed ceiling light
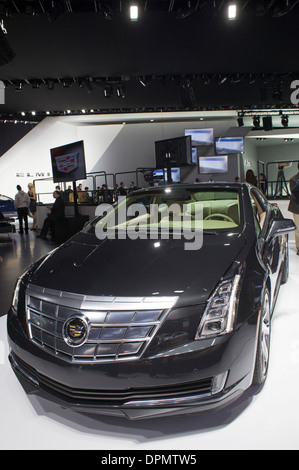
232	12
134	12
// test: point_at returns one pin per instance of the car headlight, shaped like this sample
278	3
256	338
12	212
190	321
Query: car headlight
15	297
23	279
219	315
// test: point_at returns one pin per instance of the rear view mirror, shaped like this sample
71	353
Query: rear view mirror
281	227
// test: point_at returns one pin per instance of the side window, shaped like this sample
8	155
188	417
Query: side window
255	214
257	225
260	205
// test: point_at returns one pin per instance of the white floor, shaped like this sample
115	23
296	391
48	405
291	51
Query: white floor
266	418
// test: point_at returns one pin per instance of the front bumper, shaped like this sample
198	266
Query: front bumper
199	376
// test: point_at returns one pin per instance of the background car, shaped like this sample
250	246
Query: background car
122	323
7	207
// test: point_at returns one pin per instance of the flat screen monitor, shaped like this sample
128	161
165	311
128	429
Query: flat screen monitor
177	151
224	145
201	136
68	162
213	164
161	175
194	155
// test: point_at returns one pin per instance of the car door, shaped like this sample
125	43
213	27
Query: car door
271	248
7	207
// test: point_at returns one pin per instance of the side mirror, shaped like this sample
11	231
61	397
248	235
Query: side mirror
281	227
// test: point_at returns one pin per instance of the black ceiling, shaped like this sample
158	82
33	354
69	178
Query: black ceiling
62	55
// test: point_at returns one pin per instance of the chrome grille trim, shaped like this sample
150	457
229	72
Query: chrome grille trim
120	328
90	302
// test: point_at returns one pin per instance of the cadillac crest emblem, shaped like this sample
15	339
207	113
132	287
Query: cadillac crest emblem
67	163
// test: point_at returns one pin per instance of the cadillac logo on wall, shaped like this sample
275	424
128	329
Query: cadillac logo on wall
67	163
75	331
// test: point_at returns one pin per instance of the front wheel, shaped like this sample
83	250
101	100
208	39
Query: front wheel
263	346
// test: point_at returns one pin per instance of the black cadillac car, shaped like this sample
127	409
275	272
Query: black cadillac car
7	207
161	305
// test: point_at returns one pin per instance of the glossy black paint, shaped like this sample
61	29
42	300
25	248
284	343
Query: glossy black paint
174	358
7	207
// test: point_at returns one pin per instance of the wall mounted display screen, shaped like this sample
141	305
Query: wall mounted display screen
161	175
201	136
177	151
194	155
68	162
213	164
224	145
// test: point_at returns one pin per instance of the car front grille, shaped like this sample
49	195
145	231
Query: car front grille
117	328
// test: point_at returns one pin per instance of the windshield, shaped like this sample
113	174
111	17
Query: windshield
174	209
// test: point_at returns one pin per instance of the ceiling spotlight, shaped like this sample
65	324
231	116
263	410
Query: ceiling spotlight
67	82
285	120
108	91
144	81
88	86
120	91
267	123
105	10
50	84
184	12
222	79
280	11
33	113
35	84
133	12
18	86
232	12
256	122
85	82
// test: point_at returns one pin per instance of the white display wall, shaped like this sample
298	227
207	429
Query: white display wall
114	143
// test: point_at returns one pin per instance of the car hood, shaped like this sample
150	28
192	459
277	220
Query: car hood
139	268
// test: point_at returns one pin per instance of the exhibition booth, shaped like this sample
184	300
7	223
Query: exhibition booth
150	150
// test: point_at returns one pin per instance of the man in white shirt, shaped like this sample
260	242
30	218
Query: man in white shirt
22	203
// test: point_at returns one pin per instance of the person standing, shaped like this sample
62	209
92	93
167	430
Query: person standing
32	207
22	203
57	213
132	187
250	178
294	207
122	190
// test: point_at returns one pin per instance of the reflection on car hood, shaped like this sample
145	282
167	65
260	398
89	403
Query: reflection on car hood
123	268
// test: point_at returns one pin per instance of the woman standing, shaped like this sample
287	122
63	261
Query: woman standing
32	207
251	178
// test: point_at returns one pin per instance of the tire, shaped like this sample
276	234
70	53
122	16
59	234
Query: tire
263	346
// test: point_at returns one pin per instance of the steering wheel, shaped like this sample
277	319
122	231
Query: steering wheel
221	216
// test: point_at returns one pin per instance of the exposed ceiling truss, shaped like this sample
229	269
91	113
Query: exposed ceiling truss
109	67
108	8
